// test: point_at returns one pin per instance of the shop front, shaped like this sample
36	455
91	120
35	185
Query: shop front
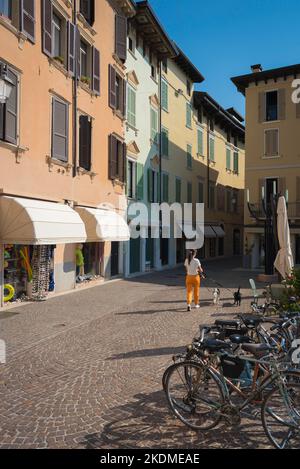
30	231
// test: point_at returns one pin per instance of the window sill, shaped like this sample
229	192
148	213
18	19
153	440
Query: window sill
274	157
271	122
189	127
54	162
119	114
19	150
86	88
86	25
199	155
132	127
6	22
59	66
212	163
119	61
86	172
117	182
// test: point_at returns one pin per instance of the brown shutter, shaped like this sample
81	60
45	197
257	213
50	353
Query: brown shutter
27	18
281	104
47	27
112	87
113	155
121	37
275	140
85	134
11	111
71	48
268	143
262	107
96	71
60	129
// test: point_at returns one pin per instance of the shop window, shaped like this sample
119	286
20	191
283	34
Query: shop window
89	259
9	112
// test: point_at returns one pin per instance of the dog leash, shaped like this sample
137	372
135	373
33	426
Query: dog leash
219	284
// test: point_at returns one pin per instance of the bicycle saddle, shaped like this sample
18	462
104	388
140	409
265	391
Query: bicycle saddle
252	320
258	350
214	345
239	339
227	323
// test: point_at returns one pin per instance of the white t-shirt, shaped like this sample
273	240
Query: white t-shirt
193	267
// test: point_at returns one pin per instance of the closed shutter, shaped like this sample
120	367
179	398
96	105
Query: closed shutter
150	185
113	157
188	115
236	162
271	142
275	142
121	37
47	27
112	87
71	48
60	129
96	71
77	50
131	108
165	142
123	86
211	149
164	95
281	104
262	107
154	119
85	135
11	111
200	142
228	159
189	157
165	188
140	181
27	17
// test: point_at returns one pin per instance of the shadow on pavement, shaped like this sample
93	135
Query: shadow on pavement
150	311
149	353
146	422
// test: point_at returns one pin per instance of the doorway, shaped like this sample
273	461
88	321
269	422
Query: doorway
135	255
114	259
236	242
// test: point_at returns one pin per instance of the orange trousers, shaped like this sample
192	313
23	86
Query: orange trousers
193	286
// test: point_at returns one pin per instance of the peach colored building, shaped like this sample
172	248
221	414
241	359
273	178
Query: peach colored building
62	135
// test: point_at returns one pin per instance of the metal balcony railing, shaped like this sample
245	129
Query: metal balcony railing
293	211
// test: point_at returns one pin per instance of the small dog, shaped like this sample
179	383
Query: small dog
237	297
216	296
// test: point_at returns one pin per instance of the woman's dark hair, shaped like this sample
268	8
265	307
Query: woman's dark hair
191	254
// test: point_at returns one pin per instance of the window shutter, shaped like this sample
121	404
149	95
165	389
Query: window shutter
77	49
11	111
236	162
188	115
268	143
200	142
59	130
113	155
275	142
85	134
281	104
140	181
96	71
71	48
153	125
262	107
27	15
123	101
121	37
131	117
47	27
150	185
112	87
211	149
228	158
164	95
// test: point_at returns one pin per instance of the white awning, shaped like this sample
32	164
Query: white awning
209	232
103	225
219	231
27	221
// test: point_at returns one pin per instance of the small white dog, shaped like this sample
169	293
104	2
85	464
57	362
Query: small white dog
216	296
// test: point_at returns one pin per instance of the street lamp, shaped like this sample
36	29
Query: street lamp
6	85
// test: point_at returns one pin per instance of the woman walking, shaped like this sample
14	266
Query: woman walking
193	272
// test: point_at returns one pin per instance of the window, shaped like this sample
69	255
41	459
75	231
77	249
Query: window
189	115
57	36
9	112
188	87
200	142
178	190
131	107
212	196
234	201
165	188
60	129
6	8
117	158
228	159
189	158
189	193
130	44
131	179
87	9
211	149
85	142
200	192
272	106
211	125
165	65
117	91
271	143
84	74
153	72
212	247
235	140
165	142
154	125
164	95
236	162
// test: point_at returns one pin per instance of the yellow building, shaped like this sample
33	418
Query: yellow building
202	159
272	151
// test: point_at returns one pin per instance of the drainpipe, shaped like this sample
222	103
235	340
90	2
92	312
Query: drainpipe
74	101
1	275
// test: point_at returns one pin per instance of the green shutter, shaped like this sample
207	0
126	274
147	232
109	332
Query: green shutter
165	142
228	158
164	95
165	188
140	181
178	190
150	185
188	115
200	142
154	125
211	149
189	163
131	107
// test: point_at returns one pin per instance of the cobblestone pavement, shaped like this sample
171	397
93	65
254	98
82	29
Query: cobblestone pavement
84	370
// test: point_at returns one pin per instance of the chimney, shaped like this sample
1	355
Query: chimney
256	68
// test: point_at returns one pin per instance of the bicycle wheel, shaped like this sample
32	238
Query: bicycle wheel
194	395
280	414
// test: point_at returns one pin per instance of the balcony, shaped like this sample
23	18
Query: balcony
293	211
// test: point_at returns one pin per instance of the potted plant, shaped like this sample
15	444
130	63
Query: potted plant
247	255
85	80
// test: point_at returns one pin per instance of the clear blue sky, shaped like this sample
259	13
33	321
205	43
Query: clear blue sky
224	37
